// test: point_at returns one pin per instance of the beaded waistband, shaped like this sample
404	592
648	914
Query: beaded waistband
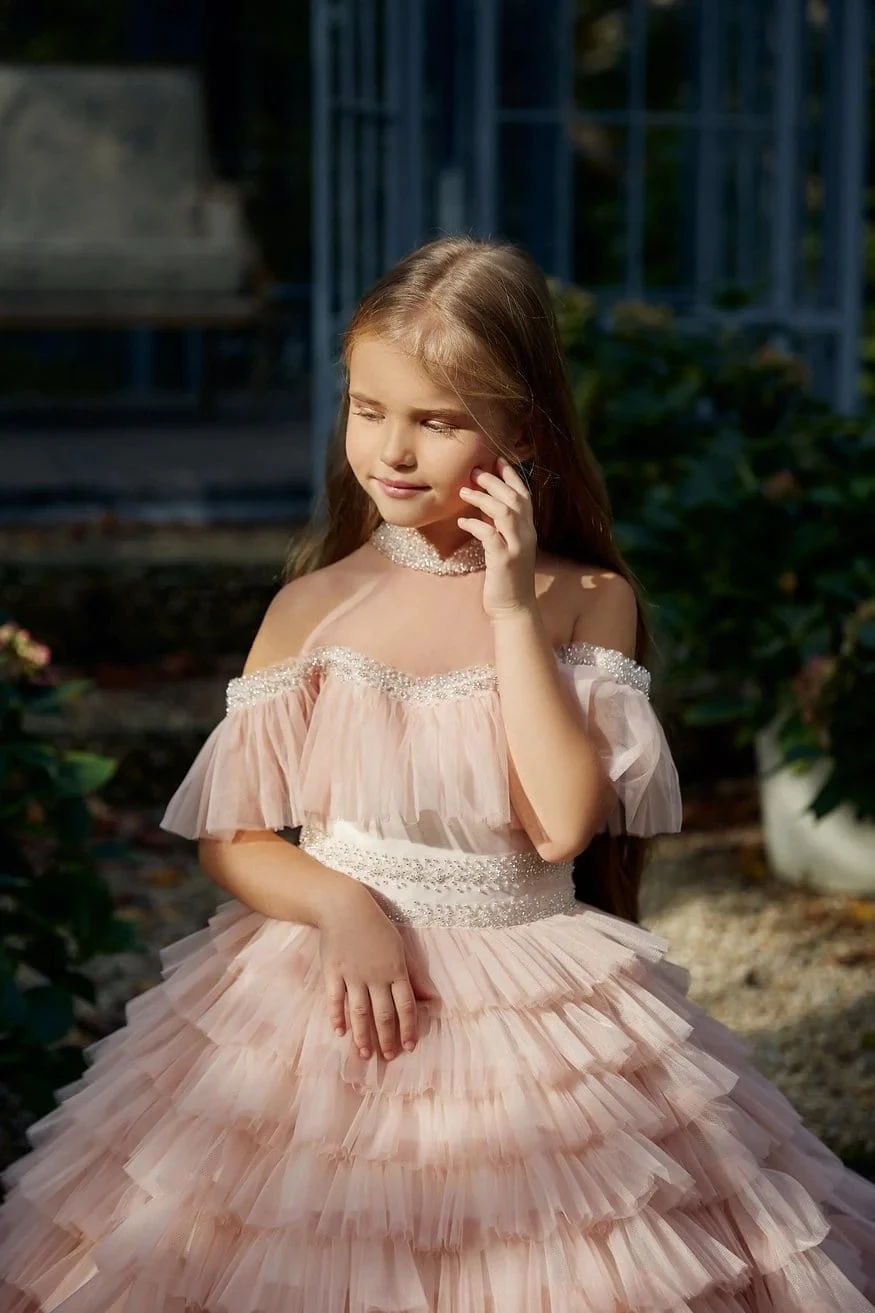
451	888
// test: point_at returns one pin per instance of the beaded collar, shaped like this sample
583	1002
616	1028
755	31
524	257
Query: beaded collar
410	547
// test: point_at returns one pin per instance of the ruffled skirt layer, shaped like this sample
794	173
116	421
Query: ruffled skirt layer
571	1135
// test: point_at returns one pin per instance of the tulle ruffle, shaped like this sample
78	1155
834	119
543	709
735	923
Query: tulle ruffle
634	752
340	742
247	774
570	1132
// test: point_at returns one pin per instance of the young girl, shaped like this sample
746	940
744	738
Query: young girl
403	1070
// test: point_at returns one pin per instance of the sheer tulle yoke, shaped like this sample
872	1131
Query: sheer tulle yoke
390	718
570	1135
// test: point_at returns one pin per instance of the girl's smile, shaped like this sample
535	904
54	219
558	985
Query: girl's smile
404	491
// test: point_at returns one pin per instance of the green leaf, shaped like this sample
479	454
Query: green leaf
802	753
40	755
831	795
120	936
49	954
13	1009
81	773
717	711
71	689
49	1012
81	986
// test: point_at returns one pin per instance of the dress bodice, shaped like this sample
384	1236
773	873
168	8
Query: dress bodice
383	738
337	735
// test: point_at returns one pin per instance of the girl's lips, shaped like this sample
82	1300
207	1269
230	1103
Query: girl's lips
401	489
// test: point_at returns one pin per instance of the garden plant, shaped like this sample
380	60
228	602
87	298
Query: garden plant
56	909
744	504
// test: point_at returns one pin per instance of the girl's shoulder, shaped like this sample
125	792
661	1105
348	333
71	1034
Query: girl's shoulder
299	607
588	603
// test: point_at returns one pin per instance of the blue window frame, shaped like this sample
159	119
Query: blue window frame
675	150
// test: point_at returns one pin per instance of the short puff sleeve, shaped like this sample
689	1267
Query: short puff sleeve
613	692
246	775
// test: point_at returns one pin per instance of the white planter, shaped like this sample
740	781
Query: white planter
835	854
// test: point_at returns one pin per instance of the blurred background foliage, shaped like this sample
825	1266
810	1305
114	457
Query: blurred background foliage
744	505
57	909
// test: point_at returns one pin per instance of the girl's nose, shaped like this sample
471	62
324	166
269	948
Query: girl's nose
397	445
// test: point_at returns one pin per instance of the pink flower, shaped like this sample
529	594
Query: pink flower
24	652
38	655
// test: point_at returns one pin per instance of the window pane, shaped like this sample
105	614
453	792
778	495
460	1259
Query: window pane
820	199
599	204
669	172
746	200
532	50
671	53
601	54
532	174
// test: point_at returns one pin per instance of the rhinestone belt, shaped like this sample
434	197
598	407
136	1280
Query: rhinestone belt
451	888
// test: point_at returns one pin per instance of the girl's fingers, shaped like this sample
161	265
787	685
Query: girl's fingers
493	506
419	981
500	487
512	476
506	536
405	1007
479	529
335	989
360	1018
385	1019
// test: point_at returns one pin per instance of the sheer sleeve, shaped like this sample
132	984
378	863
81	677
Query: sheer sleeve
614	691
246	775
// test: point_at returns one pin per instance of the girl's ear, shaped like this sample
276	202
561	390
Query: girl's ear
523	447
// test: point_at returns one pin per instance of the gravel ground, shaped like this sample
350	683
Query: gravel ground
789	970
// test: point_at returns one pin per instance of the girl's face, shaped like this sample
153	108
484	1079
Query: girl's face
411	443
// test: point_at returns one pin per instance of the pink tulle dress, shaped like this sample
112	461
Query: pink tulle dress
570	1135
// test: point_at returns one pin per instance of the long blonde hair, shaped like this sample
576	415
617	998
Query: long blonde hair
478	316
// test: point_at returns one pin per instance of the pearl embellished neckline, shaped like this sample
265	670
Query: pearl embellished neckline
410	547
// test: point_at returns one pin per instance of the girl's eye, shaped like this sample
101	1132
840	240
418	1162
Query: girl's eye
437	427
367	414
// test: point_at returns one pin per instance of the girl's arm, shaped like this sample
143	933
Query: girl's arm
276	878
372	984
559	788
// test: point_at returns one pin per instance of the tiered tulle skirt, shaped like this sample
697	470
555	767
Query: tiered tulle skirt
569	1136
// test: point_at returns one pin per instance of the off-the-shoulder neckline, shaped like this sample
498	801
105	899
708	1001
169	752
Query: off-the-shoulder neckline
607	659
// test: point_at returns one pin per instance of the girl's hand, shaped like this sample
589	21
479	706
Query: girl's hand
509	541
368	972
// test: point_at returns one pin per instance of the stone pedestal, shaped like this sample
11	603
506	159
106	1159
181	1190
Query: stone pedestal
105	188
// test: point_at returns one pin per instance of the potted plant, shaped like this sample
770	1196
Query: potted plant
817	768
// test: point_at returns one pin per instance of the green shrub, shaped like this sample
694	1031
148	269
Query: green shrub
742	501
834	716
57	911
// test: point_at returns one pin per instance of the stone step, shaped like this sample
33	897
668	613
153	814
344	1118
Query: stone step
116	594
152	729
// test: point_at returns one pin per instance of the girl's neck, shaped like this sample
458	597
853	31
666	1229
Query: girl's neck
450	552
